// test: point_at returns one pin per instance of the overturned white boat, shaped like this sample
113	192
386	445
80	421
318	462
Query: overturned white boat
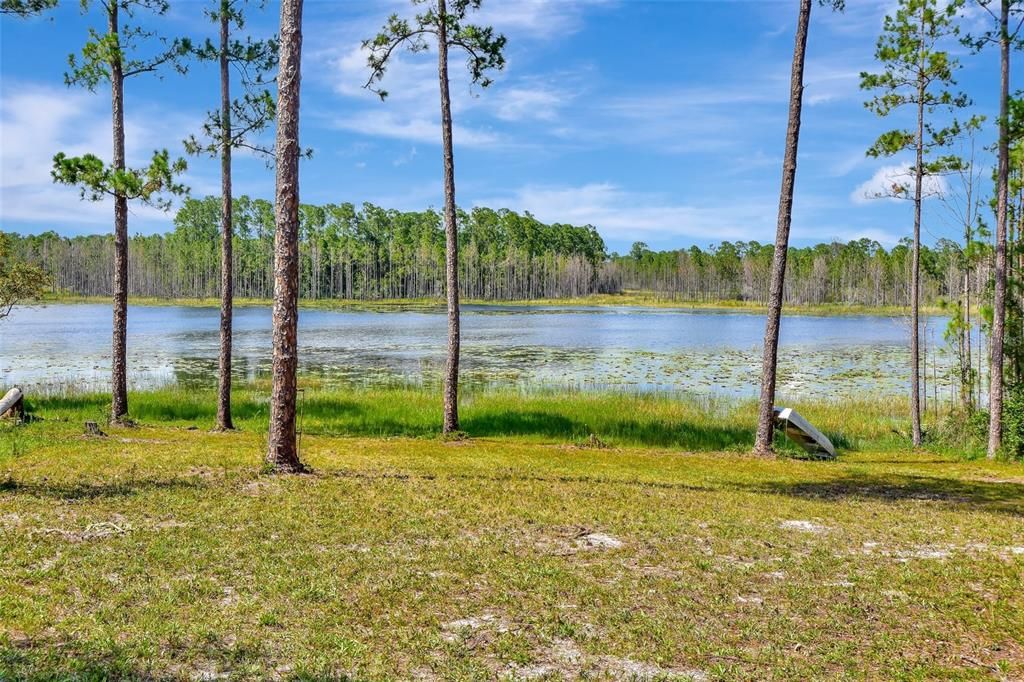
800	431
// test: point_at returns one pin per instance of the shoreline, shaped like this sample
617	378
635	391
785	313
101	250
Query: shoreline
627	300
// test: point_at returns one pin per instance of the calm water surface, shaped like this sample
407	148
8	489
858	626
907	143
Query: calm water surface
640	349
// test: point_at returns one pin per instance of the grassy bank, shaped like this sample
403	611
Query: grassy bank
628	299
162	551
697	423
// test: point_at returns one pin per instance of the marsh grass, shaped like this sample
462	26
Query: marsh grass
659	420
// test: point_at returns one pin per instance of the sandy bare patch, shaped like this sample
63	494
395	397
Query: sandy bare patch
903	556
940	552
282	672
802	526
230	597
461	628
566	541
564	659
624	668
599	541
424	675
208	674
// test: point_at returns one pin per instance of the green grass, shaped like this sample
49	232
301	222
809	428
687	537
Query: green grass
644	299
539	415
162	552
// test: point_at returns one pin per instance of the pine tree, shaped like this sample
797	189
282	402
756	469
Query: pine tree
113	57
231	127
916	73
766	410
485	52
282	450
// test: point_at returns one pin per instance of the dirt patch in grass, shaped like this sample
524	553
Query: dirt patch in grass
570	540
564	659
803	526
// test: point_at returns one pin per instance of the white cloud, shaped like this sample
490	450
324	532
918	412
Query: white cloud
37	122
415	128
894	182
827	82
623	215
519	103
405	79
536	19
411	110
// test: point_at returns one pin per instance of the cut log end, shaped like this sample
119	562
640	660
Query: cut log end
12	405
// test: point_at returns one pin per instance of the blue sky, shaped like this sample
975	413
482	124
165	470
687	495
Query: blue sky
654	121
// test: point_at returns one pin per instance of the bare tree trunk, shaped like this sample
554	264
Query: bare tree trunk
282	453
224	421
967	385
766	416
119	359
915	266
451	235
995	391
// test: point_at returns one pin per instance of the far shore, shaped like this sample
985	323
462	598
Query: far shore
630	299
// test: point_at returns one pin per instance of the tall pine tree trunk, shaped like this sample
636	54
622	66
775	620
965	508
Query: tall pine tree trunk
224	421
451	235
282	452
995	392
766	416
119	360
915	261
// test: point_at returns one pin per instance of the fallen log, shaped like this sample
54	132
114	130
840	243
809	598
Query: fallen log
13	403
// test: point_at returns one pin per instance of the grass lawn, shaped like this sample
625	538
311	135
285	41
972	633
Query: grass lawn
163	551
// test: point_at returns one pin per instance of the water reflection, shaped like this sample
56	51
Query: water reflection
621	348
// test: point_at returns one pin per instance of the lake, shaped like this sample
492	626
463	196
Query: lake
59	347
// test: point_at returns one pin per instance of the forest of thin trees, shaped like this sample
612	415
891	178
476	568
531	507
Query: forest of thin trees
860	272
373	253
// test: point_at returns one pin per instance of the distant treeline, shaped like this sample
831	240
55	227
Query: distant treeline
345	252
860	272
374	253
